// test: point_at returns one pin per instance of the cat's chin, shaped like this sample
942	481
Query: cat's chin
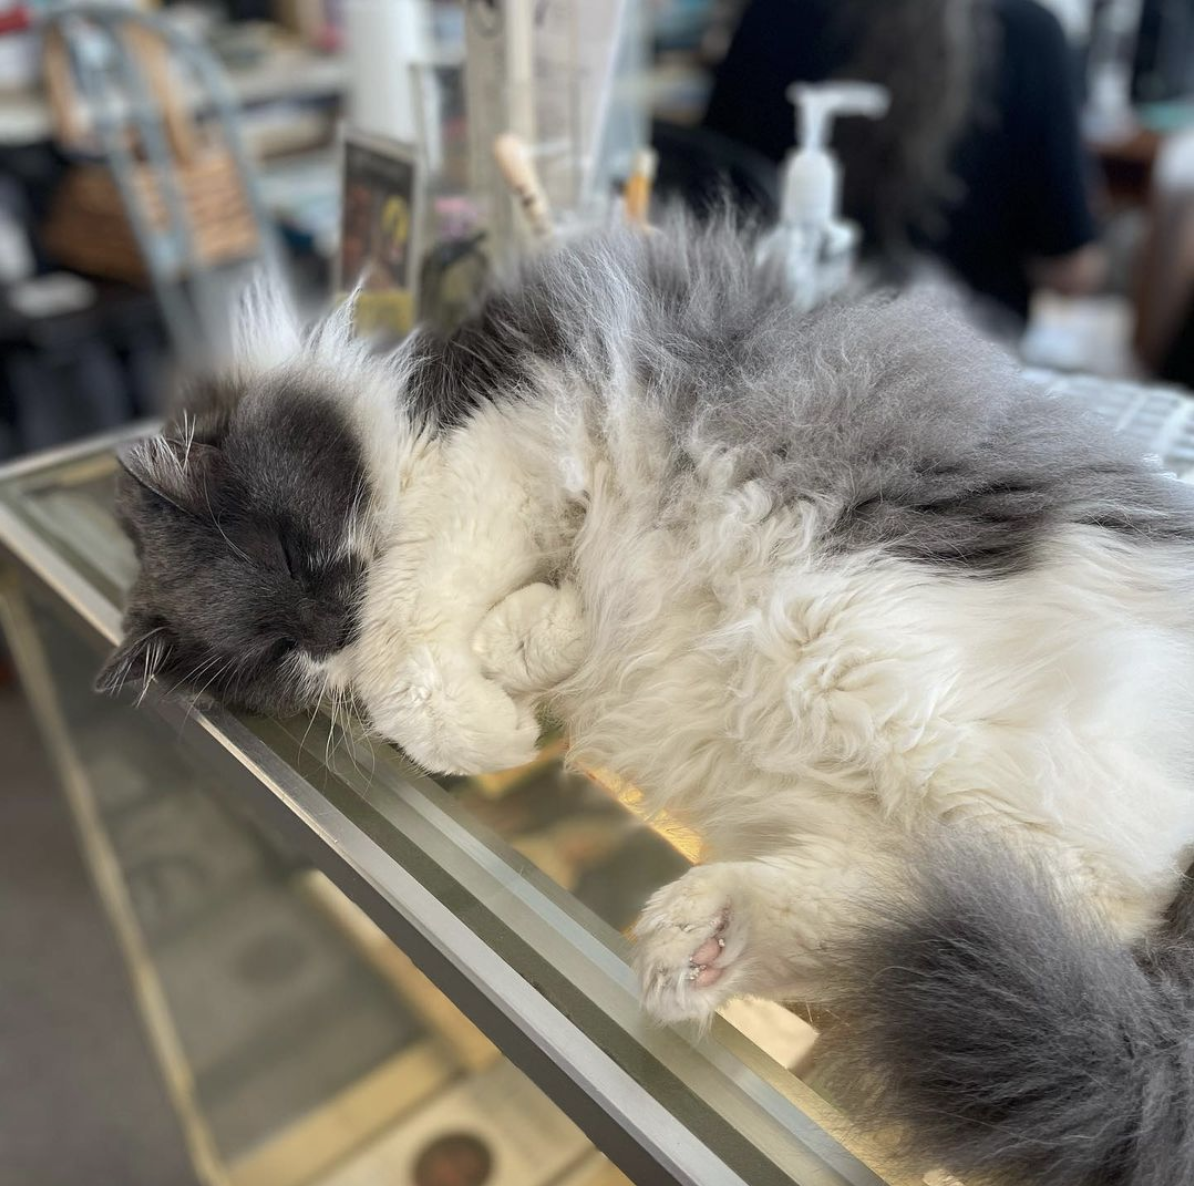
330	675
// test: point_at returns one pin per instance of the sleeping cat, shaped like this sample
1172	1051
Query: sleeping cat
908	644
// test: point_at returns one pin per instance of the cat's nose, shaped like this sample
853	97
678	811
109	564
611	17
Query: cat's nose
329	637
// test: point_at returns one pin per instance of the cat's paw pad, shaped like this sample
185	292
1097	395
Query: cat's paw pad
706	970
691	942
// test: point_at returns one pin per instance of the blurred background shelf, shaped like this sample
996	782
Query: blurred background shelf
285	76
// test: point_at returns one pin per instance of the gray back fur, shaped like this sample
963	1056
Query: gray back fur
918	436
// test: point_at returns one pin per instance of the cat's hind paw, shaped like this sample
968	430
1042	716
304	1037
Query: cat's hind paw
692	942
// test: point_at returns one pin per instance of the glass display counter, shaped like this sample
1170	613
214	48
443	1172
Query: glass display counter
353	974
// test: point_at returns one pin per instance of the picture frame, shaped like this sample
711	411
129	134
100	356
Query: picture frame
379	256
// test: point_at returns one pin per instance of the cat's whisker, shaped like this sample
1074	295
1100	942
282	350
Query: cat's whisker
350	740
315	711
189	424
328	752
329	749
220	527
353	736
346	741
192	675
156	657
219	673
340	737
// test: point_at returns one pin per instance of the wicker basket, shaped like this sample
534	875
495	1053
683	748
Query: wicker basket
88	228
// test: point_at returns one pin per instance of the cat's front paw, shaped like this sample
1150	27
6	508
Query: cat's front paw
533	639
451	720
692	939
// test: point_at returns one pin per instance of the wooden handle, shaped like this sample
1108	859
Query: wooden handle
514	161
66	115
153	54
637	194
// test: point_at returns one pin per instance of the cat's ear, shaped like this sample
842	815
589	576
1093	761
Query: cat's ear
137	659
266	331
334	341
180	472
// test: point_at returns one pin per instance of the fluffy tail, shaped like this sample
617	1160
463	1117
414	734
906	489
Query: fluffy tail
1010	1040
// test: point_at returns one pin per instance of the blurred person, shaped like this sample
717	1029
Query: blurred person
980	161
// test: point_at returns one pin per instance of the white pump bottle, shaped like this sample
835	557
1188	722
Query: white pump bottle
812	244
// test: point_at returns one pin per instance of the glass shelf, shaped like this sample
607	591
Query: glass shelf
328	945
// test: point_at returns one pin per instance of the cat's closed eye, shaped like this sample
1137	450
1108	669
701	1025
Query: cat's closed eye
289	557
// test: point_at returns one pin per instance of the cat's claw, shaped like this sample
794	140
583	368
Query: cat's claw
705	971
691	940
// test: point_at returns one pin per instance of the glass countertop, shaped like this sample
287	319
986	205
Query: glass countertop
512	892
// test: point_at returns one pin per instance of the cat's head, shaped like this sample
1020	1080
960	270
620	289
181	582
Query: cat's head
251	518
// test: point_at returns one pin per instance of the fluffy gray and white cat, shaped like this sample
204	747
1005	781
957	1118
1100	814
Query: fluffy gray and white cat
909	645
